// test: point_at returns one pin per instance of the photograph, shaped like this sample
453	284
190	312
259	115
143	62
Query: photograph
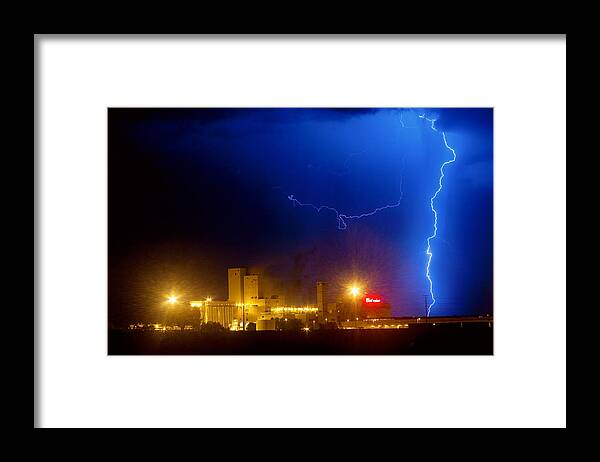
300	231
225	224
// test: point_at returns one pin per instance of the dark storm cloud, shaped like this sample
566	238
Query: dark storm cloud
465	119
168	126
193	191
188	115
207	116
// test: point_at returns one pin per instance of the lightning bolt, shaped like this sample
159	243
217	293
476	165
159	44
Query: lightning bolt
435	214
341	217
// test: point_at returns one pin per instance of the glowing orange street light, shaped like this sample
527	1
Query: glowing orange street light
172	299
354	291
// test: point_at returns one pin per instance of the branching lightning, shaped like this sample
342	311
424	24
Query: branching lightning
342	217
435	214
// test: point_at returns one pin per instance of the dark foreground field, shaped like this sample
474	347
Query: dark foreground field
450	339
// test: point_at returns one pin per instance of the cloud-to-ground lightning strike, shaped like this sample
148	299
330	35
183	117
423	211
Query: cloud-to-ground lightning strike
341	217
435	215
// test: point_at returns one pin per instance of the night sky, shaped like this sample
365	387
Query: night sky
194	191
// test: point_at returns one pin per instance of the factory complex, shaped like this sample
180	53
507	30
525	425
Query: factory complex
247	306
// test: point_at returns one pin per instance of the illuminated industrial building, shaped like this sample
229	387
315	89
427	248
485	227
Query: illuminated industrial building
247	304
244	305
220	311
235	280
253	290
254	300
373	306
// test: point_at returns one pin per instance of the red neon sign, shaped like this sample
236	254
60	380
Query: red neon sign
372	299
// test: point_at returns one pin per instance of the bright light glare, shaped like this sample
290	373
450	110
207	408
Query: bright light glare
172	299
354	291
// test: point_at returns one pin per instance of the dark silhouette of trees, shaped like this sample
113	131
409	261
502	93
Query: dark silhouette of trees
212	328
292	324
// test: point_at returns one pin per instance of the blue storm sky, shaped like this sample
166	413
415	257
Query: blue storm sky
212	186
